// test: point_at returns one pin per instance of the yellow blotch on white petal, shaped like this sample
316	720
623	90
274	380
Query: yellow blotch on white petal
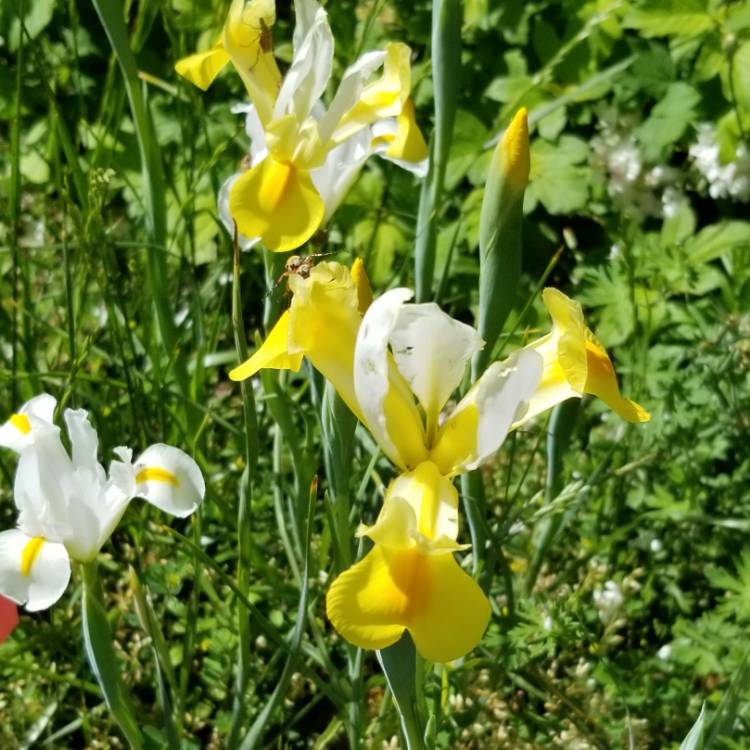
29	554
278	203
21	423
156	474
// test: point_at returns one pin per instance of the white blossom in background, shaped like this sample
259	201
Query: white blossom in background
608	601
731	180
633	185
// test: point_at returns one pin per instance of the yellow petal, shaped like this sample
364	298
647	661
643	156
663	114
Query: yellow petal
575	363
278	203
273	353
383	98
372	603
202	67
408	144
247	39
602	382
324	321
364	290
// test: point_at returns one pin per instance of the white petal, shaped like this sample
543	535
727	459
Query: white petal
169	479
35	576
16	433
431	350
305	13
389	127
83	440
348	93
372	367
498	397
226	217
254	130
341	168
308	76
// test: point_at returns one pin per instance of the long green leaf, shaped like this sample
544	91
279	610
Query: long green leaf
97	640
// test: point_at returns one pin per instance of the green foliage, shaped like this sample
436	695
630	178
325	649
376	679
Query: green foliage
115	295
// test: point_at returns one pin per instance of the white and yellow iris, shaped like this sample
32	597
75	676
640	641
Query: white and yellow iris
304	157
69	507
396	365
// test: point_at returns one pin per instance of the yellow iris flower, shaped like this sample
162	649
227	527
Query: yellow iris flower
396	365
575	363
304	157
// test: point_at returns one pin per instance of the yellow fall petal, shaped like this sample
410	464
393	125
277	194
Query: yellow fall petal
388	591
408	144
202	67
602	382
278	203
575	363
273	353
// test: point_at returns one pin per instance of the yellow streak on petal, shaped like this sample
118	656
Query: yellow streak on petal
156	474
21	423
456	441
513	151
30	553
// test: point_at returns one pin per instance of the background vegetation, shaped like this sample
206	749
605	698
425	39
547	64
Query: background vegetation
638	207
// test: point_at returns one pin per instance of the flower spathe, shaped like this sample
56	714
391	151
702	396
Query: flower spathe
304	156
575	363
410	579
68	506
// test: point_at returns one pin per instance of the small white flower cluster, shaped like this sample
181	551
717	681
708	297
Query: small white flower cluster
608	601
632	184
731	180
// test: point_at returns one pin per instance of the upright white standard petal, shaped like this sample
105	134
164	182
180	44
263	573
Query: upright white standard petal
84	441
348	94
18	431
431	350
341	168
33	570
169	479
308	76
373	367
480	423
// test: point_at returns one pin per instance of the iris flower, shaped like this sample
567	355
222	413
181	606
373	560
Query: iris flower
304	156
67	505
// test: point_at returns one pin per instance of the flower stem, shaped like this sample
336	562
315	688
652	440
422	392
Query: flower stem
97	640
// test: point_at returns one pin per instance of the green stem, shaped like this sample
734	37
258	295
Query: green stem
244	529
558	438
97	639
